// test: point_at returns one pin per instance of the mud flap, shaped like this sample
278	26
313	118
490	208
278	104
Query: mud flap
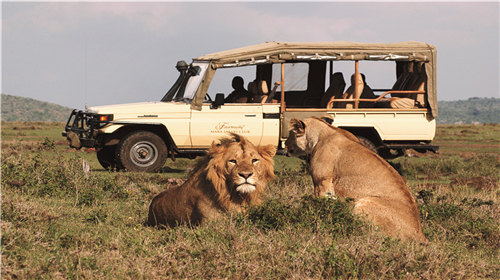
171	154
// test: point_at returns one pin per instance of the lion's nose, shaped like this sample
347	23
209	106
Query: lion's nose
245	175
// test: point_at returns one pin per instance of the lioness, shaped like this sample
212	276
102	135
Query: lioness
231	176
341	166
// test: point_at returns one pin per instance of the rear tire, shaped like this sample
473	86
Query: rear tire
367	143
107	158
142	151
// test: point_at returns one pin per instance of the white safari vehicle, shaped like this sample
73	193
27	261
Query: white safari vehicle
285	80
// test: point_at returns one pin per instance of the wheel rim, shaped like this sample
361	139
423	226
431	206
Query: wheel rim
144	153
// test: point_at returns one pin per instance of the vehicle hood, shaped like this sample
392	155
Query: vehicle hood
144	108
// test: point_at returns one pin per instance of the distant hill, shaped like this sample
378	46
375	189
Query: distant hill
15	108
472	110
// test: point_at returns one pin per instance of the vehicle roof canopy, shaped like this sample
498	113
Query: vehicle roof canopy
276	52
416	51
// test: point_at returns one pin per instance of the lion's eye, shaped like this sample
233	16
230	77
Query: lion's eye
254	161
233	161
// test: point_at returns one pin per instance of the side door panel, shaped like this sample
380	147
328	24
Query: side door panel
209	124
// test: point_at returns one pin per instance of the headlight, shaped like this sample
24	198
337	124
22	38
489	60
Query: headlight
105	118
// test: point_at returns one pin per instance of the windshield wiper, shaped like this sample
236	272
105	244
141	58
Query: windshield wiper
183	99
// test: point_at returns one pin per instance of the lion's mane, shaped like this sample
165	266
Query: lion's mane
211	189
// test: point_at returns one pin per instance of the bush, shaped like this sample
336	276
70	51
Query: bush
455	166
459	221
316	214
39	176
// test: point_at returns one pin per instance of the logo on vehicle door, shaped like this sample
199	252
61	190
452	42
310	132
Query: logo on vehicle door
225	127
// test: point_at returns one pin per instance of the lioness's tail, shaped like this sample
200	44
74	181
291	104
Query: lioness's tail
152	220
397	219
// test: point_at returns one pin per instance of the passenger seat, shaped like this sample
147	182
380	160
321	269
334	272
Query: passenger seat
403	80
263	90
414	79
418	83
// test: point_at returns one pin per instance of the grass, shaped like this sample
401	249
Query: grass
58	223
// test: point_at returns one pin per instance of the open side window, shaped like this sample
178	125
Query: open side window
304	82
235	83
369	84
407	91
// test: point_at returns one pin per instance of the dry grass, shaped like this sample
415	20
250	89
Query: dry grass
56	223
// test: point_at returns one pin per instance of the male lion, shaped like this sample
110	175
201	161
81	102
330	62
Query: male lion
340	165
231	176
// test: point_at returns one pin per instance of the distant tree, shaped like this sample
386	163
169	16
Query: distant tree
16	108
472	110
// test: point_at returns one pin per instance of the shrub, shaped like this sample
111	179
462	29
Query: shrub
316	214
459	221
40	176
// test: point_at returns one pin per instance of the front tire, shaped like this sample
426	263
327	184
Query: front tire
367	143
142	151
107	158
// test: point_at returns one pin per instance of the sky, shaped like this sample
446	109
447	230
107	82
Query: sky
97	53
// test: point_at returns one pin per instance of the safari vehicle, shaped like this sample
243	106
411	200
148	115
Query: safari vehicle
308	79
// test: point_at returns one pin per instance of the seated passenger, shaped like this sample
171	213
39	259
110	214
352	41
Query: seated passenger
366	94
239	94
350	94
335	90
252	91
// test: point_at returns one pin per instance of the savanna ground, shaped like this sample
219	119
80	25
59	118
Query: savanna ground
58	223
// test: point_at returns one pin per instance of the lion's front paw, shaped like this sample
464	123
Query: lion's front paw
331	195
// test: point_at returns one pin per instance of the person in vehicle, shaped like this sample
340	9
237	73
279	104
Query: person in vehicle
335	90
239	94
253	91
366	94
363	91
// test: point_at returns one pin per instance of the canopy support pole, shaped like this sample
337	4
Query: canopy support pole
282	88
356	81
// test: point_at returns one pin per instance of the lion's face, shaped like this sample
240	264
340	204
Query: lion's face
243	166
296	144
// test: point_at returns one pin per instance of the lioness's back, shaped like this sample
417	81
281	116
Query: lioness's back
365	169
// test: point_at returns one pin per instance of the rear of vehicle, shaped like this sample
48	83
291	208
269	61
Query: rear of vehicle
315	79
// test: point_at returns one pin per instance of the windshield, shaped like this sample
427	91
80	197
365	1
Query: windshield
194	81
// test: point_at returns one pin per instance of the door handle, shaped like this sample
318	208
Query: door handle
250	115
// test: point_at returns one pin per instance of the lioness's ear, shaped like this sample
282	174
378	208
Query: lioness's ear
327	118
298	126
267	150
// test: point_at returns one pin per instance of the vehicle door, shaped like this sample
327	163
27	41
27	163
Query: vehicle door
209	124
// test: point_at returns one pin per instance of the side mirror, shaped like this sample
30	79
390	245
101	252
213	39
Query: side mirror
195	70
219	100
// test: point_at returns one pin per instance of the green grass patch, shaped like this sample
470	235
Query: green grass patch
59	223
